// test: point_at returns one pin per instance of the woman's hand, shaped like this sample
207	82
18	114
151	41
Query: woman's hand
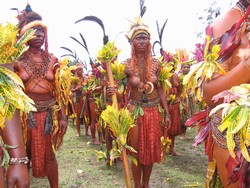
111	90
104	82
18	176
63	125
167	122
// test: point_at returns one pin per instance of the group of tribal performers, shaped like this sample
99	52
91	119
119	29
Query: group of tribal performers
89	97
156	92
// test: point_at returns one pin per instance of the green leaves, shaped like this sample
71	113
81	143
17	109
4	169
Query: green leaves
204	70
11	86
6	156
119	122
12	95
235	117
108	52
165	74
118	71
11	47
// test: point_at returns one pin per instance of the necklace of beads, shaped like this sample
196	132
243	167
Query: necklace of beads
37	68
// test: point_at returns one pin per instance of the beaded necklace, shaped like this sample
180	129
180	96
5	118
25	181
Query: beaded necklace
143	77
35	67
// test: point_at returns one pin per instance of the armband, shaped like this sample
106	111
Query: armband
24	160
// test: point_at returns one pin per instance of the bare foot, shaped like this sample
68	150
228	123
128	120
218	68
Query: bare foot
183	137
103	141
87	134
172	152
95	142
77	135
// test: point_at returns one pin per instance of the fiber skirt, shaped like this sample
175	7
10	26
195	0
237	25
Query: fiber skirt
39	146
150	132
174	112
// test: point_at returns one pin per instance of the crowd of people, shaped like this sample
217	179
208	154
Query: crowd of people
157	110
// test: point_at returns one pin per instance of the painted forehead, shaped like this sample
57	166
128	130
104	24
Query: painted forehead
142	34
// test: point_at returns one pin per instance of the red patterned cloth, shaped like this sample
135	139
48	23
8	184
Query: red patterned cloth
39	146
174	112
150	132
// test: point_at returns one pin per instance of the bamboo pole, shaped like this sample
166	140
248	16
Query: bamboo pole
124	151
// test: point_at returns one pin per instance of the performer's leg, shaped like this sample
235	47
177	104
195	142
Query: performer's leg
147	169
53	172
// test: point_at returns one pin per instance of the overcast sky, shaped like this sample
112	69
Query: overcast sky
61	15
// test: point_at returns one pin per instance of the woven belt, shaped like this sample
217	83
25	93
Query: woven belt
146	105
44	105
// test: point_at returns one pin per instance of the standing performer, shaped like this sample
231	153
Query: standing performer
13	102
36	67
230	171
77	90
146	95
227	168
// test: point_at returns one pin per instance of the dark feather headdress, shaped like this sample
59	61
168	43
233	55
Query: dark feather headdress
160	34
138	26
99	22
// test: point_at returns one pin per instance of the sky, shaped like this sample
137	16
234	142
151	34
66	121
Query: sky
61	15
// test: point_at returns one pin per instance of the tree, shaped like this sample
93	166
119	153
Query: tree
207	17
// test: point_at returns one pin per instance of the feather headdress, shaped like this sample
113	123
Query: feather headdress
138	26
29	19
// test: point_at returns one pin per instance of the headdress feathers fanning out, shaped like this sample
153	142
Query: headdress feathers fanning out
138	26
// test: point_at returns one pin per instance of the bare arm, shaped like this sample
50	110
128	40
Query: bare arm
238	75
164	103
17	174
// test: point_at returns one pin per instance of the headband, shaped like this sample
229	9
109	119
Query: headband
35	23
136	28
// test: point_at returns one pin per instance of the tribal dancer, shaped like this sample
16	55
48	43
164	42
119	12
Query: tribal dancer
36	67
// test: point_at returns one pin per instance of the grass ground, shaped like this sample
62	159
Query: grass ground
79	167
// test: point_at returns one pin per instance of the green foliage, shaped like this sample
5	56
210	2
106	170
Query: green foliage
207	17
11	90
11	47
235	117
108	52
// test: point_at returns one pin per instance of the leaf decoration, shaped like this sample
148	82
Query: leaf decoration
118	71
63	80
11	86
236	117
196	118
203	70
108	52
119	122
10	47
165	75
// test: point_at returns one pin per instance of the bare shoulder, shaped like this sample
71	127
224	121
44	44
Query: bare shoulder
126	61
225	21
128	66
53	58
156	63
